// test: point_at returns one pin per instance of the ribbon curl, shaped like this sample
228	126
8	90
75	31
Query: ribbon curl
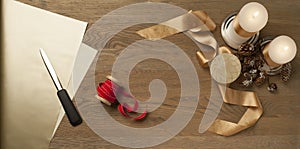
243	98
230	96
236	97
195	23
109	91
193	20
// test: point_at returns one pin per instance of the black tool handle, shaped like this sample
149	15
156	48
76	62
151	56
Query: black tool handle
69	107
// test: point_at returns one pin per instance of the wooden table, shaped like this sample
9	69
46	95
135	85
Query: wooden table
277	128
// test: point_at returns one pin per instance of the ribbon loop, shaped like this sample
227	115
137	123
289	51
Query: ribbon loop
109	90
243	98
188	22
198	20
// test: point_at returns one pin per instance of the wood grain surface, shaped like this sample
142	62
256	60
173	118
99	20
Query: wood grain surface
277	128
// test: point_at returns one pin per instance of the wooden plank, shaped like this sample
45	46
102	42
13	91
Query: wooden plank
279	125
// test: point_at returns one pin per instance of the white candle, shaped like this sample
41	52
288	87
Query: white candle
253	17
282	49
249	21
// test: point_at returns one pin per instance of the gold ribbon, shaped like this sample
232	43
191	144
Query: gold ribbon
224	49
239	30
230	96
201	59
203	16
157	32
193	19
243	98
195	23
236	97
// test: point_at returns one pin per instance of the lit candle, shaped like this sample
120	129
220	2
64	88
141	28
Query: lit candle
253	17
282	49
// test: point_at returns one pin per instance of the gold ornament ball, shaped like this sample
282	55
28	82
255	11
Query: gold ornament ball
225	68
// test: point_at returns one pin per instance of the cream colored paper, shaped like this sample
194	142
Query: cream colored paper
30	103
85	57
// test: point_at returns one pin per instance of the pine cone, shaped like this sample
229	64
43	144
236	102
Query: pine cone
272	87
246	49
258	63
286	72
261	79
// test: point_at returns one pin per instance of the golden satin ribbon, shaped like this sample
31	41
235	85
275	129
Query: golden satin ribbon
193	19
201	59
239	30
204	61
195	23
243	98
230	96
203	16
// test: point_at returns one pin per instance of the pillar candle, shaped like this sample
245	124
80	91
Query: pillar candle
281	50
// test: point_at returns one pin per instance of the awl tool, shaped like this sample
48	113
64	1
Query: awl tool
62	94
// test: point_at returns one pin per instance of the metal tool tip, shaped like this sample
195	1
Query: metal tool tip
42	52
40	49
